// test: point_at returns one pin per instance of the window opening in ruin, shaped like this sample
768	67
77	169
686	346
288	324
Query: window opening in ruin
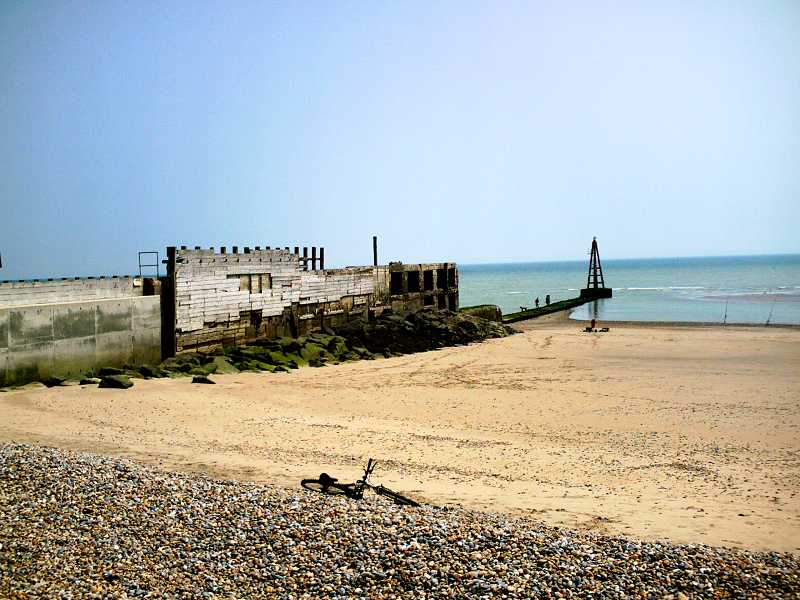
451	278
451	304
413	281
427	281
441	278
428	300
255	283
442	301
396	283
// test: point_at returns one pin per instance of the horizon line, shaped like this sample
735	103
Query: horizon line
556	260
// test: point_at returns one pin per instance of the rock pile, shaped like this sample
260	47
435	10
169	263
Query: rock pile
390	334
426	329
80	526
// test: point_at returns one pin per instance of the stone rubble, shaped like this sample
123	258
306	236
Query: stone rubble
85	526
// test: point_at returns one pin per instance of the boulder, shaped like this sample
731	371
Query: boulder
149	371
223	365
289	344
110	371
53	381
202	379
116	381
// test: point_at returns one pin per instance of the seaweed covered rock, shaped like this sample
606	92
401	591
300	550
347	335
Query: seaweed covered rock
426	329
388	335
116	381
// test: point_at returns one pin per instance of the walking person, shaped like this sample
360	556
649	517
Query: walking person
537	301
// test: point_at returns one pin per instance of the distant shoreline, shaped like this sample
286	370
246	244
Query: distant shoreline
563	317
708	324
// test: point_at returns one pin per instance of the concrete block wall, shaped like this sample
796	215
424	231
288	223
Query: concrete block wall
229	298
69	339
79	289
416	286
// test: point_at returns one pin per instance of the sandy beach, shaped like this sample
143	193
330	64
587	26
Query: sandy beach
690	434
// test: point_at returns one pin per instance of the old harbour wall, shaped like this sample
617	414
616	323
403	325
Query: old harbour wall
223	298
65	328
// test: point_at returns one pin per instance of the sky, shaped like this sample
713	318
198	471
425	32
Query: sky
474	132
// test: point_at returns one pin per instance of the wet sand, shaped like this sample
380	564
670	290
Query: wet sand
685	433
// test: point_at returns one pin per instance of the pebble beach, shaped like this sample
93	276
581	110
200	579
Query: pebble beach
75	525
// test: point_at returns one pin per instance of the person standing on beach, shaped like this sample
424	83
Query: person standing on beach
537	301
547	300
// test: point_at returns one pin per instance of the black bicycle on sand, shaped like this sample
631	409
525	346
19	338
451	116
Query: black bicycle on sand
326	484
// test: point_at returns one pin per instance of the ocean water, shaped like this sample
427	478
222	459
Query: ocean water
731	289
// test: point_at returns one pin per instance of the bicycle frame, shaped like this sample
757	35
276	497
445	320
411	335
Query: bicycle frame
358	487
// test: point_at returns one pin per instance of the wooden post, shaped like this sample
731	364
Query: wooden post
313	258
375	250
168	338
322	259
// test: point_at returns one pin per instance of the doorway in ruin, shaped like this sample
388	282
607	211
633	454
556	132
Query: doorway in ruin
413	281
396	283
427	281
441	279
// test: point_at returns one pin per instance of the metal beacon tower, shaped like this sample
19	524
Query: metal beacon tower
595	285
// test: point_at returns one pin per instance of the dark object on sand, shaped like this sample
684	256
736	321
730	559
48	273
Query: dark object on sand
326	484
202	379
116	381
54	381
110	371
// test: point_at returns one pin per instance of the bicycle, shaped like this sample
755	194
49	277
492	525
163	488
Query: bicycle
325	484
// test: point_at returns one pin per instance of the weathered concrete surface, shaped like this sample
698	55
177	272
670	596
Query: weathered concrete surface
490	312
56	291
69	339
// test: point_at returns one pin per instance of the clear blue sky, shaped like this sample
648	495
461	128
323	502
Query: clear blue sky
475	132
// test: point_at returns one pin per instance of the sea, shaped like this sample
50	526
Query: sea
731	289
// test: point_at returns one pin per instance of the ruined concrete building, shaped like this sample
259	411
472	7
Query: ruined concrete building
208	298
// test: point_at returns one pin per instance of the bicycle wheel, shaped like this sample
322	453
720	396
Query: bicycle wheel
332	489
398	499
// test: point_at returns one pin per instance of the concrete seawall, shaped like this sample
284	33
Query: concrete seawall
67	339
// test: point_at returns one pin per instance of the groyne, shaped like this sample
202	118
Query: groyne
532	313
493	312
